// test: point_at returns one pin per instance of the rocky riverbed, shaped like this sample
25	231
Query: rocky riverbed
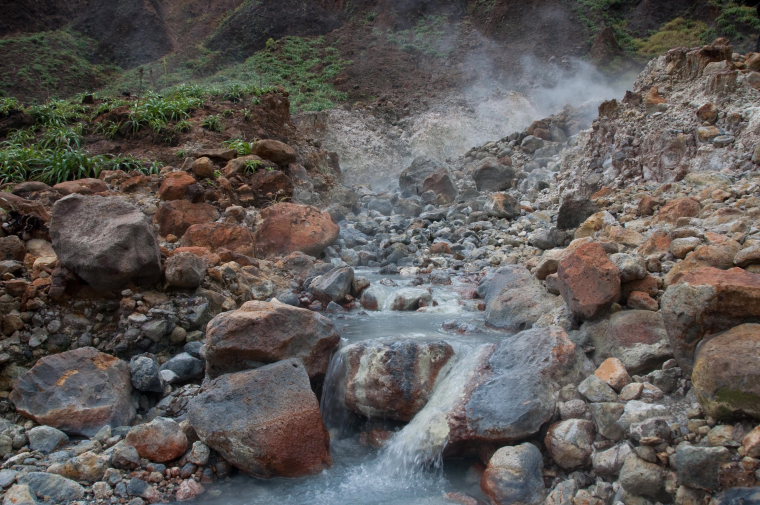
567	315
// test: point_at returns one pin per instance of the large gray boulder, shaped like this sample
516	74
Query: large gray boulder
106	241
515	299
266	422
265	332
77	391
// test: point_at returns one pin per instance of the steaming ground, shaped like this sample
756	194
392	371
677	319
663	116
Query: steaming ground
375	148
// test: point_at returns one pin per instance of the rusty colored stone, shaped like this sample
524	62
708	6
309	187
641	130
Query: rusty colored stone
588	281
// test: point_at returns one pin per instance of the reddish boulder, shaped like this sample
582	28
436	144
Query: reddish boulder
81	186
270	186
176	216
706	301
265	422
60	391
160	440
232	237
289	227
588	281
637	337
678	208
274	150
176	186
264	332
726	377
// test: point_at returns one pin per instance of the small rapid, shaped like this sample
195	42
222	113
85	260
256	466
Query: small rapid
408	469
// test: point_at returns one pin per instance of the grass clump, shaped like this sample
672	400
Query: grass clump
242	147
428	37
213	123
679	32
738	22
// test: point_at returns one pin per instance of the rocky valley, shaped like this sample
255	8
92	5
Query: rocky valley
391	253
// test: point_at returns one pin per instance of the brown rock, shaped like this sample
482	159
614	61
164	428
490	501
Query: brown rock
713	255
707	301
751	443
274	150
176	216
678	208
708	113
176	186
247	165
203	167
613	372
657	243
638	300
189	490
270	186
214	236
289	227
12	248
588	281
637	337
81	186
264	332
266	421
570	443
160	440
59	391
726	377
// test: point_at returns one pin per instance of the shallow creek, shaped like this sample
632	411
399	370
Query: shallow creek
409	469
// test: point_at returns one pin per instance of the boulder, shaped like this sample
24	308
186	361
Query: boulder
185	270
514	476
265	422
699	467
51	487
570	443
235	238
502	205
12	248
274	150
179	186
58	391
106	241
707	301
678	208
637	337
334	286
513	394
46	439
203	167
160	440
491	175
588	281
176	216
427	175
264	332
515	299
642	478
87	186
573	211
390	379
289	227
726	377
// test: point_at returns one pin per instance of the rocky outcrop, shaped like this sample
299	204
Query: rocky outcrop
106	241
272	423
289	227
262	332
58	391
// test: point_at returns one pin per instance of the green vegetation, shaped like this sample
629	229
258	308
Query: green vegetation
679	32
252	166
213	123
428	36
53	64
737	22
242	147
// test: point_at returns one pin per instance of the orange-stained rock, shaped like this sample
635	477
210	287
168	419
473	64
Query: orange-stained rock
235	238
266	421
176	186
718	256
270	186
440	248
707	301
751	443
59	391
289	227
204	252
176	216
638	300
678	208
613	372
514	476
160	440
649	285
657	243
588	281
81	186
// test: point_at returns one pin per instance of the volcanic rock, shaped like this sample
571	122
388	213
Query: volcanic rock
588	281
289	227
176	216
514	476
160	440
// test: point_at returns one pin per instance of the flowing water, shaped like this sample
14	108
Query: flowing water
409	469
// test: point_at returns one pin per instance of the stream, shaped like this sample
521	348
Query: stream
408	469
